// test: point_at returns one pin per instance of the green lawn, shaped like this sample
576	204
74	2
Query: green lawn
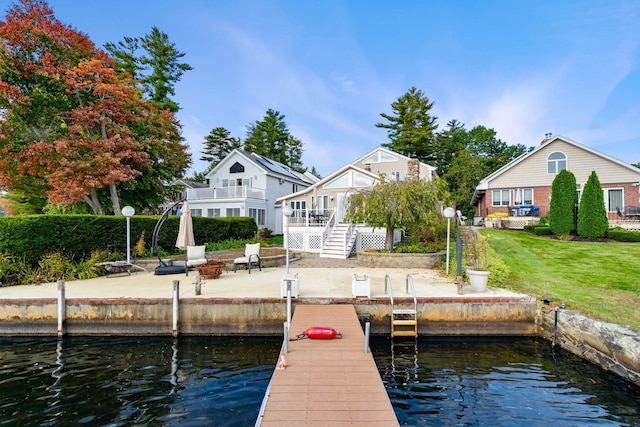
598	279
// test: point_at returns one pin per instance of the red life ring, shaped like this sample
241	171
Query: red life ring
322	332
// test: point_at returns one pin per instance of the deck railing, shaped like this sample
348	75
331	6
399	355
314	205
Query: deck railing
239	192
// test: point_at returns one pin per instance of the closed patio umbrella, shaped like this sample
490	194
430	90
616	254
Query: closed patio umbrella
185	233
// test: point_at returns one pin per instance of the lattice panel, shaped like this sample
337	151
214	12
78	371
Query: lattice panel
296	241
371	241
315	242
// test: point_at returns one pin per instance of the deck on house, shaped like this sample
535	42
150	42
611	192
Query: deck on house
327	381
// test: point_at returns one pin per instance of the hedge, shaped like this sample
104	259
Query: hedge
622	235
76	236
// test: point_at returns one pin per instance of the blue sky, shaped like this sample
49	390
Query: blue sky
523	68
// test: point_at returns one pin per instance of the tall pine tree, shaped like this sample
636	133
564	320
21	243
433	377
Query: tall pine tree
217	145
411	127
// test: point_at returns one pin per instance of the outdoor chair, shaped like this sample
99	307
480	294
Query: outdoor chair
251	256
195	256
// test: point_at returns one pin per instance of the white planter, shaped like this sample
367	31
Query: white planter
361	287
478	279
295	286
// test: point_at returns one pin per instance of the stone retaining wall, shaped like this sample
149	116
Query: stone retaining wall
389	260
612	347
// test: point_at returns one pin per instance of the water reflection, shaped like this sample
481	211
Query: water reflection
499	382
220	381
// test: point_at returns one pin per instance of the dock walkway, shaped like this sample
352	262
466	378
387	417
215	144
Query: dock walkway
327	381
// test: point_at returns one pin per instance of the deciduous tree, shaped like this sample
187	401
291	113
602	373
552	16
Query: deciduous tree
394	204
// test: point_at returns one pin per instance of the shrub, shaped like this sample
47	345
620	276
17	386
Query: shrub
542	230
563	199
592	216
622	235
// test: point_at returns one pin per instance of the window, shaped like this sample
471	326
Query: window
323	205
257	215
556	162
614	199
213	213
395	176
500	198
381	157
233	211
196	212
299	208
236	168
523	196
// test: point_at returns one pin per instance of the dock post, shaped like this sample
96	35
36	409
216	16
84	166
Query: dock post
62	310
198	289
176	306
367	327
288	304
286	338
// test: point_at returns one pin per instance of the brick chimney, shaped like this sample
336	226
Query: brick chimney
413	169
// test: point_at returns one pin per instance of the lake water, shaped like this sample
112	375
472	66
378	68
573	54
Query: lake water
220	381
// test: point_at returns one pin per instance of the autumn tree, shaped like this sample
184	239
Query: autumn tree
593	221
271	138
36	51
72	126
563	200
411	127
392	205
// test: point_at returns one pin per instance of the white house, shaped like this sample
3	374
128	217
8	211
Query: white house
245	184
317	220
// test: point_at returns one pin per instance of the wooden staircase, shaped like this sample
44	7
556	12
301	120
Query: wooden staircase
339	244
404	316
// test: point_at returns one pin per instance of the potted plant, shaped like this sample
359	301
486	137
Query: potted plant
477	260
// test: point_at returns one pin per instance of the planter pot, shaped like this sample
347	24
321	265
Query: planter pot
478	279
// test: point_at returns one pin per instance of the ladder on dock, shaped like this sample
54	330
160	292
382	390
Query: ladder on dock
404	315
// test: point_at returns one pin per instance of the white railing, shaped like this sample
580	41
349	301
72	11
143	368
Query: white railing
311	217
240	192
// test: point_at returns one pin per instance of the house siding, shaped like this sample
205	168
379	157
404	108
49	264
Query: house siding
531	172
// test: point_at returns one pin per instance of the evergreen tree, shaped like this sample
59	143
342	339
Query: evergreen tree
592	216
157	68
447	144
270	137
563	200
218	144
411	128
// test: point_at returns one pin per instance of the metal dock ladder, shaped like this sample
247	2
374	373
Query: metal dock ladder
404	317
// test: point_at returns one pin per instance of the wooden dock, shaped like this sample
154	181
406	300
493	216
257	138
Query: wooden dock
327	382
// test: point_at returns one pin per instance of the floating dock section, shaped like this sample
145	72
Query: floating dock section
327	381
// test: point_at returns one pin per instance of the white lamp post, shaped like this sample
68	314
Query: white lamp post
449	213
287	211
128	211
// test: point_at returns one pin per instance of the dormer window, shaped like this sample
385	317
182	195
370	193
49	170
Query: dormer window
236	168
556	162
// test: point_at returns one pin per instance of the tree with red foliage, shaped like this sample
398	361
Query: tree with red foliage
70	124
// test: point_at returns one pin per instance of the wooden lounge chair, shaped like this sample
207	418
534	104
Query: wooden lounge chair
251	256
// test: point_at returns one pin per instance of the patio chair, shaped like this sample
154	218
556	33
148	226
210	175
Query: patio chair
251	256
195	256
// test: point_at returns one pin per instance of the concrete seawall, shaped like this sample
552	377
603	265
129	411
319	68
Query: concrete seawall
253	316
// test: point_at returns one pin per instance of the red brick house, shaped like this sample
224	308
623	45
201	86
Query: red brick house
523	187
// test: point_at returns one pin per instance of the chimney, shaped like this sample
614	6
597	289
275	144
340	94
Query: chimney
413	169
547	137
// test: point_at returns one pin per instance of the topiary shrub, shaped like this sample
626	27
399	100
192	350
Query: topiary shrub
563	199
622	235
542	230
592	216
